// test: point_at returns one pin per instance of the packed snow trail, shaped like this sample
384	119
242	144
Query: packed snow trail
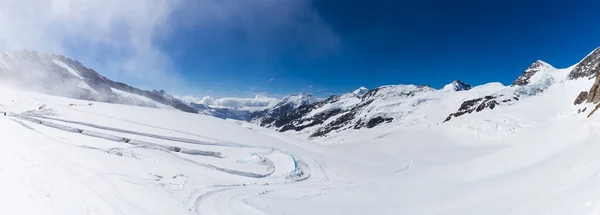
283	168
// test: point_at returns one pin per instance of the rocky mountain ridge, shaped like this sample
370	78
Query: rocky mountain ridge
394	104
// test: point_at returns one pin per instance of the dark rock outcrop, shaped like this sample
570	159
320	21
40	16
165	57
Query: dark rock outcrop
378	120
583	96
343	121
594	94
279	114
480	104
296	119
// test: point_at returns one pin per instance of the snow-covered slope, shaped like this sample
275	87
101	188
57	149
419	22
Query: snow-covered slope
535	156
394	105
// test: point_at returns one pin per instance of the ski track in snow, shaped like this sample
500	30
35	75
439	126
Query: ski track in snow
233	195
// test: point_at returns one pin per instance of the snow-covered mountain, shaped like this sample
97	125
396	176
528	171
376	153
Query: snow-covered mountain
409	105
353	110
456	85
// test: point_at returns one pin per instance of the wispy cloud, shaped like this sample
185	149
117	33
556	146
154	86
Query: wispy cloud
123	39
270	80
116	37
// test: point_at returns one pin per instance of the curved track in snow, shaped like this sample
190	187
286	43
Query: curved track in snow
283	168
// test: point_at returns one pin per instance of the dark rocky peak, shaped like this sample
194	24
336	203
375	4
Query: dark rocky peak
588	67
534	68
457	85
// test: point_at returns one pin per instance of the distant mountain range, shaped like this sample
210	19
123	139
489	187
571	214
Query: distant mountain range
303	114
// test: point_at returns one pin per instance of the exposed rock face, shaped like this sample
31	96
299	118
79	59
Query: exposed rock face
278	115
588	67
594	95
378	120
479	104
583	96
354	110
344	121
524	79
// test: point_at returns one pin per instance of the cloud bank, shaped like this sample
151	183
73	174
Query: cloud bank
251	104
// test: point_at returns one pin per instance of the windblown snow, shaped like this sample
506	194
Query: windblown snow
67	67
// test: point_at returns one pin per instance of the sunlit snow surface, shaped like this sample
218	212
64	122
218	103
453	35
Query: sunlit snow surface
536	156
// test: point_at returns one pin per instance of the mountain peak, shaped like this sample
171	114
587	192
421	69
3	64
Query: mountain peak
533	69
456	85
360	91
538	64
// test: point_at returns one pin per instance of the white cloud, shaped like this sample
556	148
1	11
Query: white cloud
124	39
270	80
252	104
114	36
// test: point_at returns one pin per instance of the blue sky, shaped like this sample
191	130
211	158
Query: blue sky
243	48
352	43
